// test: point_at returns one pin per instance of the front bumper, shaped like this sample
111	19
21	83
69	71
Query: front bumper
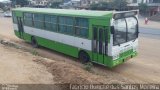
122	59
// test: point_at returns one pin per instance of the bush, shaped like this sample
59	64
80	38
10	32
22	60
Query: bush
143	8
88	66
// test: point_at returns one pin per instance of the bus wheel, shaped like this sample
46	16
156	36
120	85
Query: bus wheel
34	42
84	57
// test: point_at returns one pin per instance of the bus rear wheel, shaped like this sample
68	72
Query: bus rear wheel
84	57
34	42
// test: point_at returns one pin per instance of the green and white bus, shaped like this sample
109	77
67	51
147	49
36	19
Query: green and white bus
108	38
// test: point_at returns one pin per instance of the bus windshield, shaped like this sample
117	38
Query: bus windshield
125	30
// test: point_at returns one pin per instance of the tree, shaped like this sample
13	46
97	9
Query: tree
142	1
55	4
143	8
119	5
2	5
19	2
99	6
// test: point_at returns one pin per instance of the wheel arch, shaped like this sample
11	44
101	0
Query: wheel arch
33	39
82	50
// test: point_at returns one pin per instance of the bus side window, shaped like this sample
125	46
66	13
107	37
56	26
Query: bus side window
50	22
38	21
66	25
28	19
82	27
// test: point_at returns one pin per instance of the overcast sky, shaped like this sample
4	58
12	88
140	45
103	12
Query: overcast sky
8	0
3	0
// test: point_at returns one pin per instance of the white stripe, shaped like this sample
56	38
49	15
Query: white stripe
65	39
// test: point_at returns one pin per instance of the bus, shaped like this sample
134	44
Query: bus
107	38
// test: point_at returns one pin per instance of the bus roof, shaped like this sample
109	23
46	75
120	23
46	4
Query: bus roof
88	13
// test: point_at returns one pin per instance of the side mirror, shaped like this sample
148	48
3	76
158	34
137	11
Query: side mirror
112	30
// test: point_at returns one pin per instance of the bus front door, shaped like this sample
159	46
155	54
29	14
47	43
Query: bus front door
98	44
20	27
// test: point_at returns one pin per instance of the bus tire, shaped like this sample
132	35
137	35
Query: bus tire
34	42
84	57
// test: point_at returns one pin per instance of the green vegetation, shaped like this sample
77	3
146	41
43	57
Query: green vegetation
34	52
55	4
2	5
88	66
119	5
22	3
14	45
99	6
143	8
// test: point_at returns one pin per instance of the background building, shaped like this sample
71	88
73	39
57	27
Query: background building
39	3
154	5
80	4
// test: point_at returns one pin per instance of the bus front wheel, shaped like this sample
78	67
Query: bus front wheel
84	57
34	42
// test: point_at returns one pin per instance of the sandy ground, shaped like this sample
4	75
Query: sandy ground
145	66
17	67
142	69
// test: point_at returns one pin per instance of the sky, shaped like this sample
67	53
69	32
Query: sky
8	0
3	0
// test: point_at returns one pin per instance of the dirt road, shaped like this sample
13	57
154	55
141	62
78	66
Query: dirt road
17	67
151	24
142	69
22	67
145	67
